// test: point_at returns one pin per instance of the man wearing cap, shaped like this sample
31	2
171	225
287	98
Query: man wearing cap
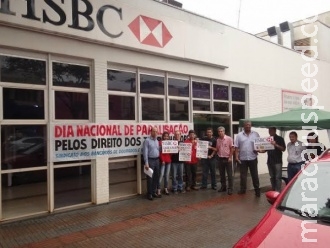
151	160
191	166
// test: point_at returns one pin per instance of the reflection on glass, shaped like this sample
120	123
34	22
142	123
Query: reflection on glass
201	105
121	81
179	110
201	90
178	87
150	84
203	121
221	106
25	71
122	178
68	75
23	146
72	186
24	193
71	105
238	94
152	109
23	104
121	107
220	92
238	112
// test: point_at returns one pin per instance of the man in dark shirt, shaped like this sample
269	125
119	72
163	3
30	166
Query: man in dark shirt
209	162
274	160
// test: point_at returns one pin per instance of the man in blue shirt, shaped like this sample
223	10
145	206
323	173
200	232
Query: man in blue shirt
151	160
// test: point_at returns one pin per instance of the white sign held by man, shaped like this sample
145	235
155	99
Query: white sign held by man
264	143
202	149
185	151
170	146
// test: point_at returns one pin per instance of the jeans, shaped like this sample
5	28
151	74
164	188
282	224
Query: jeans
225	165
293	169
153	182
191	171
177	176
164	172
275	173
209	166
252	165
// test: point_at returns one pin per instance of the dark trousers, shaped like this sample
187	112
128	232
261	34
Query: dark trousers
252	165
191	170
293	169
209	166
225	166
153	182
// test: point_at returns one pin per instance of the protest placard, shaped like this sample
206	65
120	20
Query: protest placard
202	149
264	143
170	146
185	151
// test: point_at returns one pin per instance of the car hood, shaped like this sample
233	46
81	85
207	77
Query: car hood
289	231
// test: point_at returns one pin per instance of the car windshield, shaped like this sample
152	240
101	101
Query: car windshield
309	195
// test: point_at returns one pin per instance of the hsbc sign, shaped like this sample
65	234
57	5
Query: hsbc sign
83	16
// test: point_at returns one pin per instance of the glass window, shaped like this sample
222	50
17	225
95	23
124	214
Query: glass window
235	129
121	107
71	105
238	94
221	106
201	90
68	75
24	193
23	146
151	84
72	186
23	104
25	71
204	121
122	179
220	92
178	87
152	109
179	110
121	81
201	105
238	112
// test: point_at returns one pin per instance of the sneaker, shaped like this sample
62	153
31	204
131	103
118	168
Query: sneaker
182	191
156	195
222	189
150	197
195	188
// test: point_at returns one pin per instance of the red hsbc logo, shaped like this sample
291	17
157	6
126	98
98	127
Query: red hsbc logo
150	31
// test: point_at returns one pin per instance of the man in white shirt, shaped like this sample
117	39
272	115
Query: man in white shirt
296	153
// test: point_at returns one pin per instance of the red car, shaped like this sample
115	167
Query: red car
300	214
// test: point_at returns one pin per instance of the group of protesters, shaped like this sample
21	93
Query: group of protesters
221	151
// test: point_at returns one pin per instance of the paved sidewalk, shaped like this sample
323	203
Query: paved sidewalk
203	218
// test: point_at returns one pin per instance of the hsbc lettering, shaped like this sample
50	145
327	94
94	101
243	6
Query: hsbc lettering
77	5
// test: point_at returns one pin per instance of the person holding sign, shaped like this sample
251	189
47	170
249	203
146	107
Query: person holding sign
274	160
246	156
151	160
209	162
177	167
225	150
191	165
165	164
